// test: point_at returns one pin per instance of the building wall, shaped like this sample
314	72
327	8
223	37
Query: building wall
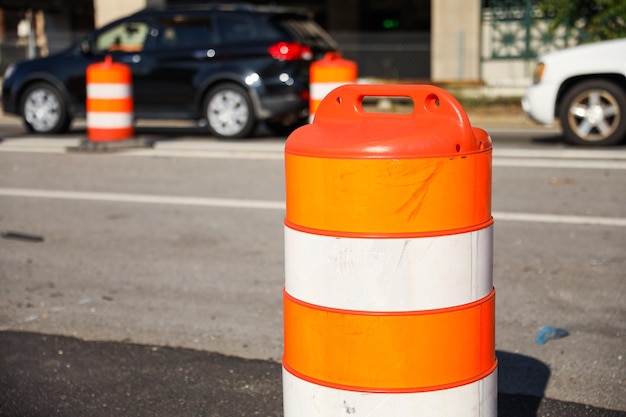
106	11
342	15
455	31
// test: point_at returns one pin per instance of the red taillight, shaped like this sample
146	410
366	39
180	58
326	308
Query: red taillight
289	51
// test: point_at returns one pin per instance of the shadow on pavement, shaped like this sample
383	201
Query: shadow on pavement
547	140
520	375
558	140
164	131
47	375
174	132
152	132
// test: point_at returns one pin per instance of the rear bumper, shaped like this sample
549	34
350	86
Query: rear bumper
284	104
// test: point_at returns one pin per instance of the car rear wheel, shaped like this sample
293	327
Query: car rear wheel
229	112
44	110
594	113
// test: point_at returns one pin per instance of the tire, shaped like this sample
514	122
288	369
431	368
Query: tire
594	113
44	110
229	113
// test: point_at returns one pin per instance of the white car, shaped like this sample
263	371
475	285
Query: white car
584	87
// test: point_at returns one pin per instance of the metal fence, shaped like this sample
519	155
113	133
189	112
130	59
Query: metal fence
516	29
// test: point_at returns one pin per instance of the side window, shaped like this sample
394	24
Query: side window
236	29
125	37
181	32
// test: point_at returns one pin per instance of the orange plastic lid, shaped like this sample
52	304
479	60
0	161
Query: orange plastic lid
334	59
437	126
109	71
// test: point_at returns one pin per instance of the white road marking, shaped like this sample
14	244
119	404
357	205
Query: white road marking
559	218
201	153
557	163
581	153
142	198
278	205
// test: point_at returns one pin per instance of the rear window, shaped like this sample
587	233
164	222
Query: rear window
308	32
242	28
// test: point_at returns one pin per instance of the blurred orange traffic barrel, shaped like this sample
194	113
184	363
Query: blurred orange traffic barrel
109	102
389	306
327	74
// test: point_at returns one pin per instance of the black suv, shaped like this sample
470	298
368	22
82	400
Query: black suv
229	66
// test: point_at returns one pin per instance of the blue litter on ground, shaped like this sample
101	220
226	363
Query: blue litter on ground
547	333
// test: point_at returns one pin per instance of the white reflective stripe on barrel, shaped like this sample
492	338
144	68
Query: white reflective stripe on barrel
105	120
389	274
304	399
108	90
320	90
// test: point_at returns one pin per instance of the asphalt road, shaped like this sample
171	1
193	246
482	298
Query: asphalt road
148	281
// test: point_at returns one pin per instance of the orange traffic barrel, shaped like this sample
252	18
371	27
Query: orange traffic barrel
109	102
389	305
326	74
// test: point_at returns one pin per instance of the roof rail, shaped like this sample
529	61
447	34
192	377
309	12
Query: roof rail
211	5
225	5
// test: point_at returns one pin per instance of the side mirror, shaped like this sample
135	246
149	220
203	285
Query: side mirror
85	47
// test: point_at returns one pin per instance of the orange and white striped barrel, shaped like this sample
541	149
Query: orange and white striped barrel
109	102
325	75
389	306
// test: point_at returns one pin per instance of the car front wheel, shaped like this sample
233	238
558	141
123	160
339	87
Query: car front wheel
594	113
43	109
229	112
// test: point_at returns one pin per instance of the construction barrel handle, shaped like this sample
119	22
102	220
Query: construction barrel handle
428	101
437	125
